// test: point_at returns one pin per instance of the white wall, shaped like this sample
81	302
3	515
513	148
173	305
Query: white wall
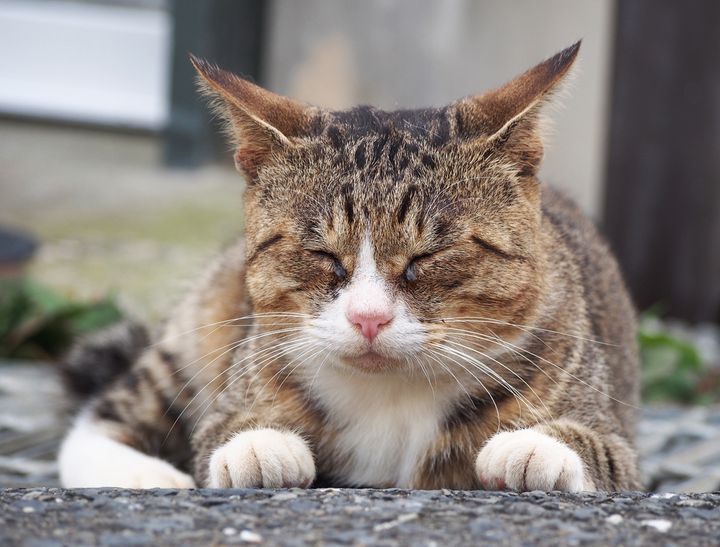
429	52
87	62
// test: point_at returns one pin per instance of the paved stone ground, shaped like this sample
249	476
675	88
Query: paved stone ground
32	421
46	517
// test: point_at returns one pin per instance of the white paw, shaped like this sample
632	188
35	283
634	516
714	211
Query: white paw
526	460
153	473
90	459
262	458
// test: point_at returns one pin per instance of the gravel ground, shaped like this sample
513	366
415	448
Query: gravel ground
353	517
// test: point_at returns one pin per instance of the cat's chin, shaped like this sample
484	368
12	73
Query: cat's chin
372	362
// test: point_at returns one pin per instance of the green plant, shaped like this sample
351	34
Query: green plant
673	369
39	323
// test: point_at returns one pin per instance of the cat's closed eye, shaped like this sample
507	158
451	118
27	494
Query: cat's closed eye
411	270
338	268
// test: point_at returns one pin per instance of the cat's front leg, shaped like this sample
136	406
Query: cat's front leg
559	455
262	458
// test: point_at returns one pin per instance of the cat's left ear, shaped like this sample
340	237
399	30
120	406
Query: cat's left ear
259	121
505	121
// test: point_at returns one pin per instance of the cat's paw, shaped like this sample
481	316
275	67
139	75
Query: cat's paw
90	459
124	468
154	473
262	458
526	460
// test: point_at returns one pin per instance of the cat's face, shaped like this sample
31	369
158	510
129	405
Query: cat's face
380	238
390	233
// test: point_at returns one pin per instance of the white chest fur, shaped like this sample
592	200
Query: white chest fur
386	424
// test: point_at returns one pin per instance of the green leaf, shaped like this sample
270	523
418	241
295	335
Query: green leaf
39	323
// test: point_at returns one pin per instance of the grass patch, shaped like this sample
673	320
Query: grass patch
39	323
673	369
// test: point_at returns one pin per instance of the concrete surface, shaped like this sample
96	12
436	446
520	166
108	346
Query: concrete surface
48	517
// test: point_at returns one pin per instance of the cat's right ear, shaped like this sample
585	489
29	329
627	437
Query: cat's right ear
259	121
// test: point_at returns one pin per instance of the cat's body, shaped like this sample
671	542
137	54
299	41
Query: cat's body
410	309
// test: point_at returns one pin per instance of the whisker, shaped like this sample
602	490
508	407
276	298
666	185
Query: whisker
525	328
425	373
302	362
435	355
571	375
508	369
229	322
237	375
233	346
265	350
497	340
493	374
241	341
543	359
516	393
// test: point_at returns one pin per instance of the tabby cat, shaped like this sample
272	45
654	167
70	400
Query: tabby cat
410	307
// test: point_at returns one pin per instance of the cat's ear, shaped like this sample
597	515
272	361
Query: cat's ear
259	121
505	121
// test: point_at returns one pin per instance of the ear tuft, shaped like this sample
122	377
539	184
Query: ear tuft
259	121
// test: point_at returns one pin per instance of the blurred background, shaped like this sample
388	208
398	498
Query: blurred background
115	186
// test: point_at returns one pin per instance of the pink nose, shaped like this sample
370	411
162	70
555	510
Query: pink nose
370	323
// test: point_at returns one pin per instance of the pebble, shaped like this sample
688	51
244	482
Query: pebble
659	524
397	522
614	519
285	496
250	537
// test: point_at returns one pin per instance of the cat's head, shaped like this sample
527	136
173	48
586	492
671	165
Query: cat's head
382	232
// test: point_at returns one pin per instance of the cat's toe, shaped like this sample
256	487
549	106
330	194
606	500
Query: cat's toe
529	460
262	458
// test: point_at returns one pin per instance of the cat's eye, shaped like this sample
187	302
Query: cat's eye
411	270
338	269
410	273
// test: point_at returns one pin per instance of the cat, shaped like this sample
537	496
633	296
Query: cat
410	307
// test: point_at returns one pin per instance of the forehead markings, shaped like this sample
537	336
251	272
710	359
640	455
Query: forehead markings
348	202
335	136
379	144
405	203
360	155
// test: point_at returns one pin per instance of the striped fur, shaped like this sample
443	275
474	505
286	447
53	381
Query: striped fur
509	359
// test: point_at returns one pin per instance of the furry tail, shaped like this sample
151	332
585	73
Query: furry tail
98	359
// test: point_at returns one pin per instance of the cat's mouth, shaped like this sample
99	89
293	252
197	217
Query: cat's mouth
372	361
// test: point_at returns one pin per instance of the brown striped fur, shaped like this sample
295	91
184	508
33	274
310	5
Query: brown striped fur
460	227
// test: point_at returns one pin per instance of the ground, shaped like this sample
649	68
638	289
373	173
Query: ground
353	517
